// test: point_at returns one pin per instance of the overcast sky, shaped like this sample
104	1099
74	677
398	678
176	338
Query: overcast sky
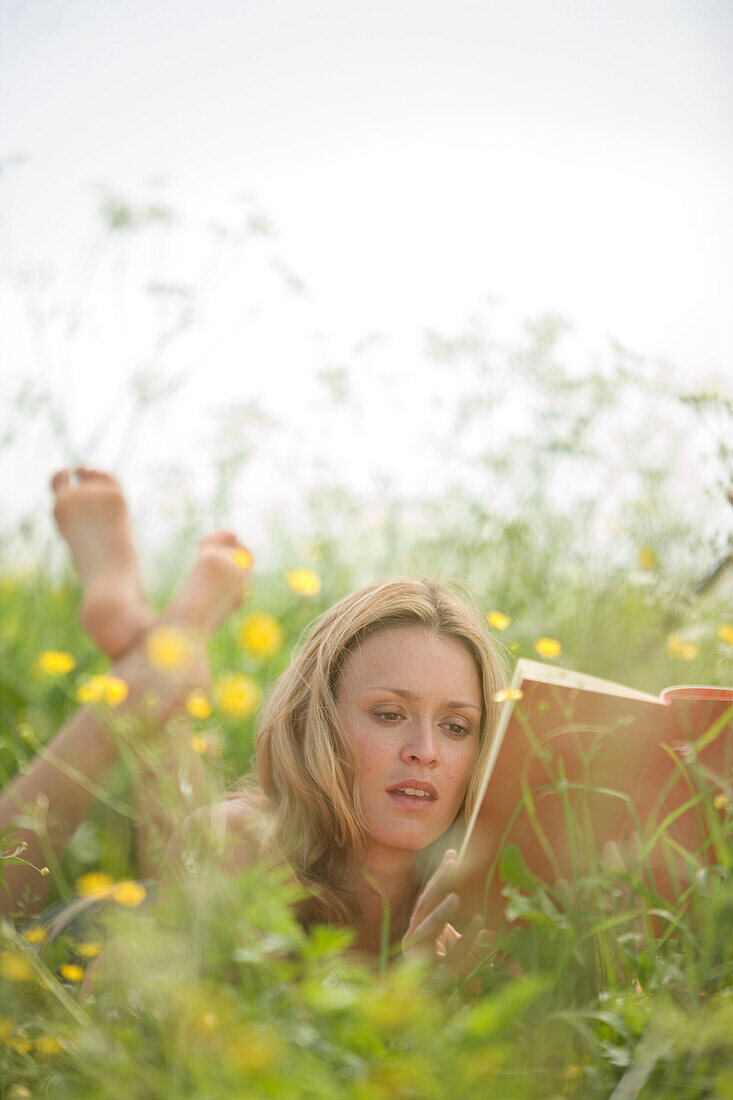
418	163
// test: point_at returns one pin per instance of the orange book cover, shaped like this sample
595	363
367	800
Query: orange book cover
578	761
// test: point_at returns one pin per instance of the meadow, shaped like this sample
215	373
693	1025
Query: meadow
218	991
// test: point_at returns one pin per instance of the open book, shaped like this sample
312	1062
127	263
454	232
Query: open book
577	761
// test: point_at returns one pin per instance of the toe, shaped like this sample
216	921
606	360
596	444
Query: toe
105	478
60	481
86	473
223	538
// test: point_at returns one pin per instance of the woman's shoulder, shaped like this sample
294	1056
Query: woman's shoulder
229	830
235	812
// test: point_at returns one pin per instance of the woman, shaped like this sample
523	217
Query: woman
367	758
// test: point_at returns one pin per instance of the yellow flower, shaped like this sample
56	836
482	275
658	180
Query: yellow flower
95	884
15	967
103	689
169	648
18	1092
237	695
261	635
253	1049
508	693
725	633
115	691
680	650
90	691
19	1041
130	894
198	705
47	1044
498	620
71	972
304	581
35	934
242	558
647	558
88	950
206	745
720	801
548	647
199	744
54	662
571	1078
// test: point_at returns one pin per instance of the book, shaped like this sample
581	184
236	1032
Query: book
577	761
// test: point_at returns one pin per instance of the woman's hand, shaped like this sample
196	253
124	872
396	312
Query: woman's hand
431	936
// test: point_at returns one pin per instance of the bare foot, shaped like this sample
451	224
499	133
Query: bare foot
92	516
175	645
215	586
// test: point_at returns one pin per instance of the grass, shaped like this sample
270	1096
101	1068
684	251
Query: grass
222	993
217	991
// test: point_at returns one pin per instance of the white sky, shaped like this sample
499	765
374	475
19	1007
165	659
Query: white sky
419	161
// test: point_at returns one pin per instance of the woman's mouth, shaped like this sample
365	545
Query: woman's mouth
414	794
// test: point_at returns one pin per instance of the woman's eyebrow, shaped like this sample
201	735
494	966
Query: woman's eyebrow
415	698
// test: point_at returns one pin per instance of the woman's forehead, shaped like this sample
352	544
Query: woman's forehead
411	657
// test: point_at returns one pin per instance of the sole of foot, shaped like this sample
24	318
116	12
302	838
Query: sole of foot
91	515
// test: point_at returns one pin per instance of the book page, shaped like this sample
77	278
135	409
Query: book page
551	674
538	671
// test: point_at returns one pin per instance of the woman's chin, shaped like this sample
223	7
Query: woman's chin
403	840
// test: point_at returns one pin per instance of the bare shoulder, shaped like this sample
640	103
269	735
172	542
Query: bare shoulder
225	830
236	816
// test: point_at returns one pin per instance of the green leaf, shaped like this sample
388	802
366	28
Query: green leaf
494	1014
514	870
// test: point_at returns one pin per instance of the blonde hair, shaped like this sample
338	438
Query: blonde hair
305	765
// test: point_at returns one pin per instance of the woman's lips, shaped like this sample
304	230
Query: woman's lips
414	802
411	783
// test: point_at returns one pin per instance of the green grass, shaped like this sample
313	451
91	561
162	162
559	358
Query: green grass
221	993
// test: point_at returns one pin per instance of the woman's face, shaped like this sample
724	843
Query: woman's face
411	702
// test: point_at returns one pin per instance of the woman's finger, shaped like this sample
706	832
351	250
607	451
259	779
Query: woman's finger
466	952
437	887
429	929
447	939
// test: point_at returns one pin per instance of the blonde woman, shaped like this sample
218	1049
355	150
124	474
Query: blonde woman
368	753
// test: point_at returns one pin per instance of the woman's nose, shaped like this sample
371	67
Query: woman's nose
420	746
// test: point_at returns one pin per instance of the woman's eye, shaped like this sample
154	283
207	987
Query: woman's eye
456	729
454	726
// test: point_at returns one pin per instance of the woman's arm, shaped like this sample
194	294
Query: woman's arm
167	783
55	794
222	832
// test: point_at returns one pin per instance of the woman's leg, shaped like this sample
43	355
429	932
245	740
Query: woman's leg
168	779
92	517
64	778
